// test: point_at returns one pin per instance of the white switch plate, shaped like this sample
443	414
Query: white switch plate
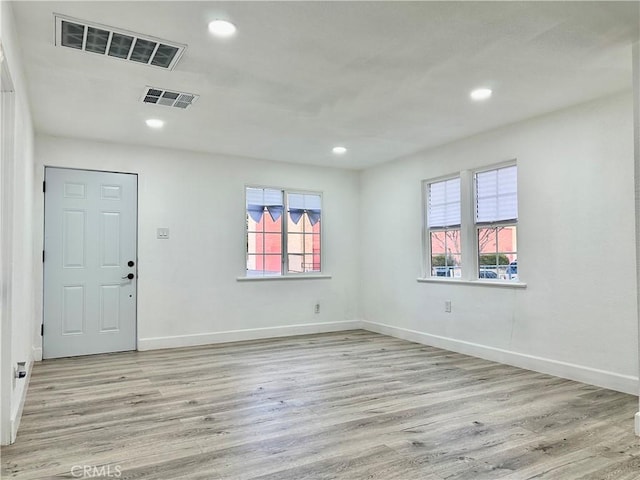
163	233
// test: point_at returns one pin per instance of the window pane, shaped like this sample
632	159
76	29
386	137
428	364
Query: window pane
445	253
303	226
497	195
304	253
264	265
295	263
487	241
266	224
252	225
264	231
264	197
315	249
303	243
305	201
310	264
307	223
304	263
449	267
255	263
294	227
443	201
273	264
264	243
498	252
295	243
272	225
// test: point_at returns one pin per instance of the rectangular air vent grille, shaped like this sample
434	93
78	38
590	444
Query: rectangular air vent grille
168	98
116	43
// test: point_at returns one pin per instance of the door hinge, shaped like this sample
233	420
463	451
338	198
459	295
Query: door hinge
44	187
42	256
42	329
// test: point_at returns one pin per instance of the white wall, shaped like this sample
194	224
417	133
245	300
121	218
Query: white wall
187	288
21	326
577	316
636	144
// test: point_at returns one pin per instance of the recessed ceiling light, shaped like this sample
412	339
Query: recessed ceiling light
222	28
481	94
154	123
339	150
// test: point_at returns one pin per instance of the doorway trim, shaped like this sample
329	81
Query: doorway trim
8	426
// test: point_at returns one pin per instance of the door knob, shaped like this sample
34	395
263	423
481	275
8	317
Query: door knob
131	276
131	263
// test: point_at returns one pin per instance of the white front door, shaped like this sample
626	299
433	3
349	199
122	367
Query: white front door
90	262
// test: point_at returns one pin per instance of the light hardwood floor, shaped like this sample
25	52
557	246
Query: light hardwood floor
350	405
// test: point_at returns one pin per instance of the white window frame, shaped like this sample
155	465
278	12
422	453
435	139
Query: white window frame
469	255
284	264
478	225
426	230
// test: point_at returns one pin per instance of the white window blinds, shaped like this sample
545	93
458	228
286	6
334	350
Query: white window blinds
260	198
444	203
497	195
301	203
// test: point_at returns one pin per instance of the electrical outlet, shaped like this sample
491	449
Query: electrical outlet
163	233
447	306
316	309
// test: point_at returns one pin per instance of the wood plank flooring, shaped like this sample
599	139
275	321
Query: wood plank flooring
349	405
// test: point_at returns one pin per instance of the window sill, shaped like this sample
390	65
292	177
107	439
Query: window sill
483	283
284	277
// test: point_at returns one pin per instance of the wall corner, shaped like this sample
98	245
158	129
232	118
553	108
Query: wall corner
37	353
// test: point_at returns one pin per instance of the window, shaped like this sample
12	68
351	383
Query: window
496	212
471	225
265	207
279	243
443	222
303	232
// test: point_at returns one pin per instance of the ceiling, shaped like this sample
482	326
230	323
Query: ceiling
384	79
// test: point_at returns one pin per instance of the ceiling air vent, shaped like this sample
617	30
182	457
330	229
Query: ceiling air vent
168	98
116	43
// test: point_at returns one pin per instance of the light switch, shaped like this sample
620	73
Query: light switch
163	233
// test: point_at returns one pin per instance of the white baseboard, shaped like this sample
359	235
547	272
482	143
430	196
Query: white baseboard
22	385
592	376
155	343
638	424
